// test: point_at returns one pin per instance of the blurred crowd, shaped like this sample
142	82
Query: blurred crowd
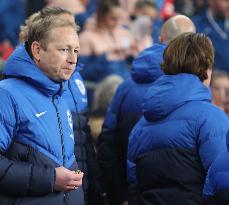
116	38
112	33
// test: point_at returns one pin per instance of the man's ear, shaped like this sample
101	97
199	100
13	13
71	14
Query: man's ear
209	76
36	51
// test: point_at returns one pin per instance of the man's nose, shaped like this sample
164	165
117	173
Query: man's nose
72	58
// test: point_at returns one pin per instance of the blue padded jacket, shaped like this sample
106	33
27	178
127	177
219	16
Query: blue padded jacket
123	113
216	188
36	135
173	145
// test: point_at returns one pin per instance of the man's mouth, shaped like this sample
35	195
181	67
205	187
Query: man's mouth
68	69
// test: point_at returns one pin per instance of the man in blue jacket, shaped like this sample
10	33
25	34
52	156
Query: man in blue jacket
76	97
181	132
37	163
125	109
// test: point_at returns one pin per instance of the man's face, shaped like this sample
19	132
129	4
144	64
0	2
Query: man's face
58	60
220	86
149	11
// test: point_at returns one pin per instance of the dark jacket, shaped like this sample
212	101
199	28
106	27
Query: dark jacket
172	146
76	97
36	135
123	112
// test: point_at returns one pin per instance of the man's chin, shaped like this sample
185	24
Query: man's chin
66	77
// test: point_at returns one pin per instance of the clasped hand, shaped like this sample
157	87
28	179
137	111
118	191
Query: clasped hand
67	179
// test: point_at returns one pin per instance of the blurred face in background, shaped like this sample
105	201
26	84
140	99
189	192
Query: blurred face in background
112	18
220	87
220	7
148	11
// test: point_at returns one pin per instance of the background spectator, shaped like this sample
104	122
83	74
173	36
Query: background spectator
219	88
107	48
213	21
103	95
125	109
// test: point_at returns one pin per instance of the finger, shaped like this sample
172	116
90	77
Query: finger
77	183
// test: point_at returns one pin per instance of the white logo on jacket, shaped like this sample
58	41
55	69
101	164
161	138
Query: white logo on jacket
69	119
40	114
81	86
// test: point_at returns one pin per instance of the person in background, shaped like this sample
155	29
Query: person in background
12	15
181	132
214	22
219	88
34	6
125	109
82	9
190	7
103	95
105	49
36	136
76	97
143	17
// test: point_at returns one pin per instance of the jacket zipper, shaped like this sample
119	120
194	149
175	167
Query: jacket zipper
62	139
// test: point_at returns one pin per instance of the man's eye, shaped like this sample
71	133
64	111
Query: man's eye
76	51
64	49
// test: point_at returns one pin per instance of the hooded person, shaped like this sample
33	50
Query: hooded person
181	132
125	109
37	157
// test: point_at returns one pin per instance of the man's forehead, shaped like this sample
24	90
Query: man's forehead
62	31
67	38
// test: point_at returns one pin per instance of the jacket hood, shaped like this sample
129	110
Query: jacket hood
147	65
20	65
170	92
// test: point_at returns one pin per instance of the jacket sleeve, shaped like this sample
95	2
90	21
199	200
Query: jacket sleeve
112	169
17	177
212	136
23	179
134	149
216	186
133	152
